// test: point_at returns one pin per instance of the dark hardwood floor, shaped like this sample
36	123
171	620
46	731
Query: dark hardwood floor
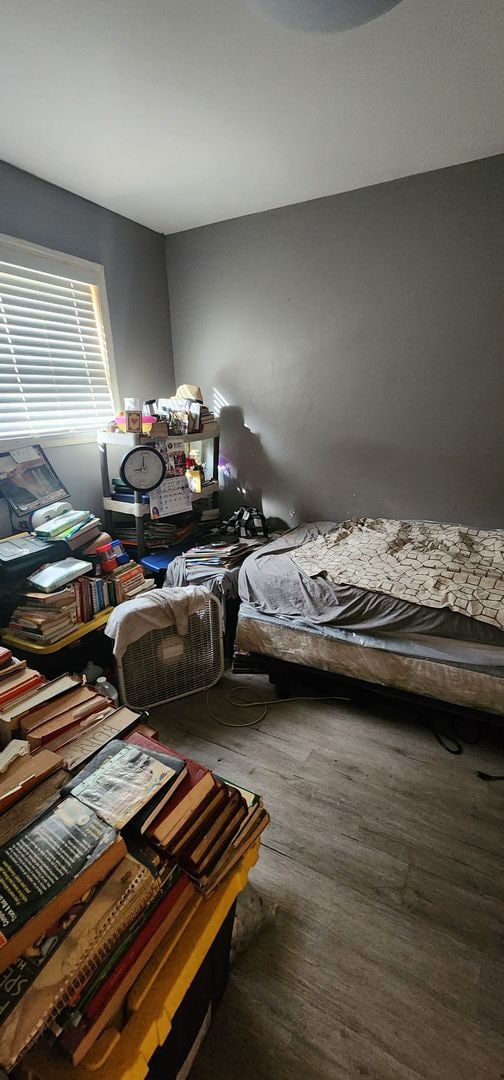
384	855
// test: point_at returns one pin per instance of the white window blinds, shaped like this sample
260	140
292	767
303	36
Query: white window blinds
54	374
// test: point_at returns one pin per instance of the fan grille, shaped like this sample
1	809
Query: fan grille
161	666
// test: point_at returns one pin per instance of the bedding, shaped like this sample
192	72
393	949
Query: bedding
435	565
272	583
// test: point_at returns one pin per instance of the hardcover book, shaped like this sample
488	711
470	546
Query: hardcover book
32	805
47	867
13	667
122	780
73	695
12	714
97	735
23	774
20	684
114	906
70	711
185	801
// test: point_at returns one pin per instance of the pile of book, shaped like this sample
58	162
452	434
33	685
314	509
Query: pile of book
161	534
127	581
222	554
92	595
47	617
17	680
207	419
111	853
95	594
76	527
63	715
208	824
44	617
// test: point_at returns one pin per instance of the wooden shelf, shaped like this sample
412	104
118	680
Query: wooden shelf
80	630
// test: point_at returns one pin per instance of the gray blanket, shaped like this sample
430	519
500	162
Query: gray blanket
272	584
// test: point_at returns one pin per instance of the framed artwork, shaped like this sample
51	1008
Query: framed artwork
28	481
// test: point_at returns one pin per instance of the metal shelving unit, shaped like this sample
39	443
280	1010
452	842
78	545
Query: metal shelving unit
138	509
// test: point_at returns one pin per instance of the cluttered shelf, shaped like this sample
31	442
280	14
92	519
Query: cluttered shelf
127	439
168	477
142	509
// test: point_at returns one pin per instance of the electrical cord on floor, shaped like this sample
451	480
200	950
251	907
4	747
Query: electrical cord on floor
233	698
452	743
445	740
453	740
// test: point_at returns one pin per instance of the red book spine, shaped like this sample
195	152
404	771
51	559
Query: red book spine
71	1038
22	688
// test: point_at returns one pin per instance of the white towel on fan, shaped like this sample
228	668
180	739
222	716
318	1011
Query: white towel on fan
154	611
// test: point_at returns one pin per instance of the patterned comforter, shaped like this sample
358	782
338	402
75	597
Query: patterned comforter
428	564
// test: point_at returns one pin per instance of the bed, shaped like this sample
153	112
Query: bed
293	610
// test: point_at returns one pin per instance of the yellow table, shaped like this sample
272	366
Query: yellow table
155	997
80	630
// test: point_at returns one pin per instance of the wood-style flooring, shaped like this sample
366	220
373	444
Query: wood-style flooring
384	855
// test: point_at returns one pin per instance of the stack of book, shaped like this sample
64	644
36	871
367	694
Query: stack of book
47	617
161	534
127	581
207	419
44	617
64	715
209	823
17	682
224	554
77	528
92	595
93	882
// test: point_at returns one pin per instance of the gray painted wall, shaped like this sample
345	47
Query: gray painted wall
362	336
135	272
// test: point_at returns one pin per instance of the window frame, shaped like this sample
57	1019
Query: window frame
60	263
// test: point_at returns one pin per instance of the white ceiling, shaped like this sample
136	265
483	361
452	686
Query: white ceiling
181	112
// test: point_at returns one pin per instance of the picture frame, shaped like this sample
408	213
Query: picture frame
28	480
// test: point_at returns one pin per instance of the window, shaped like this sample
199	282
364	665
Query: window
55	370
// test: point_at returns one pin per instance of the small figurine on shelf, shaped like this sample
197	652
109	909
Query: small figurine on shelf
195	475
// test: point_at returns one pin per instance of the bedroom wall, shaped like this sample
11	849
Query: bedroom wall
358	343
135	272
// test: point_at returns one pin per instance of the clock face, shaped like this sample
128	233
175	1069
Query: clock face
143	468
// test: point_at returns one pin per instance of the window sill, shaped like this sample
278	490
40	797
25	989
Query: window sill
72	438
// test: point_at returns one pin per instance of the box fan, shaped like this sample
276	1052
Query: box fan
161	665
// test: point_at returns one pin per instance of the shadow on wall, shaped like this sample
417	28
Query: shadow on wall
245	472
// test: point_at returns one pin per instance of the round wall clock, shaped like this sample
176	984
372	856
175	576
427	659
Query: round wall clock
142	468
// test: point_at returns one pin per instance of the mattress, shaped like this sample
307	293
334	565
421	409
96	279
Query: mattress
379	661
272	585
